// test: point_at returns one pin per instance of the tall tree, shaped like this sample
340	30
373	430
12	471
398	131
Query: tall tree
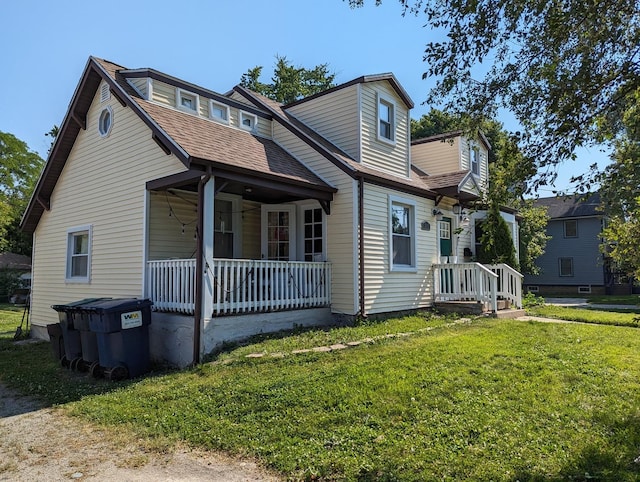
289	83
562	67
19	170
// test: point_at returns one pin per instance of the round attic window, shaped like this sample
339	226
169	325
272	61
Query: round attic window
105	122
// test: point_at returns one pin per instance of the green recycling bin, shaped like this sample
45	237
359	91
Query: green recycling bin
122	331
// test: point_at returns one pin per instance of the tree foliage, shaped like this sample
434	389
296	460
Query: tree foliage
289	83
510	171
563	68
497	242
19	170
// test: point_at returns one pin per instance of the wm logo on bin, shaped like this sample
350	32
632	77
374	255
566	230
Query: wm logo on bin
131	319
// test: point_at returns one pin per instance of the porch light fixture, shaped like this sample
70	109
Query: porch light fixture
438	214
457	209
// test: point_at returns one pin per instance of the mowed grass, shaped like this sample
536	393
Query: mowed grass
587	315
486	400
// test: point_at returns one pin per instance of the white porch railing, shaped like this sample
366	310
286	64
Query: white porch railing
466	282
241	285
509	283
477	282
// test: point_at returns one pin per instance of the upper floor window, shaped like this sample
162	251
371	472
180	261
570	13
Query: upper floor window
474	155
78	254
218	111
105	121
248	121
402	214
386	119
565	266
571	228
187	101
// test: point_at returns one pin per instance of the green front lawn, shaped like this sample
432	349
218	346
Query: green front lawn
615	300
609	317
490	400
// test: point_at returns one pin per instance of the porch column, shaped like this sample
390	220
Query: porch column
208	285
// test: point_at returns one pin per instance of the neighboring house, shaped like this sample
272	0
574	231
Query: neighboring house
15	277
237	215
572	263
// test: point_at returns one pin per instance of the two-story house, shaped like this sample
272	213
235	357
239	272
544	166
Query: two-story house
573	263
237	215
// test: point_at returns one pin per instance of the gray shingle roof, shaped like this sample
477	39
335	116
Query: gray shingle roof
579	205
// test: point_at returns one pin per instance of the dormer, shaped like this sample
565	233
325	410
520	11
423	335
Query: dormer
453	152
368	118
191	99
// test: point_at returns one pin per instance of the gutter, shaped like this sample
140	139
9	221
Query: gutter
361	245
197	312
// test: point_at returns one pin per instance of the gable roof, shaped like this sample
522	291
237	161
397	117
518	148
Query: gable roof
452	184
197	143
449	135
579	205
388	77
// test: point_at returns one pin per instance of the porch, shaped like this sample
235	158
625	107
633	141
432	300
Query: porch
240	286
492	287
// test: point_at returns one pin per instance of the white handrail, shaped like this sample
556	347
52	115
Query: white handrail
509	283
466	282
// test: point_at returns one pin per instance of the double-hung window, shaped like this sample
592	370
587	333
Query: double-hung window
474	156
386	119
78	254
570	228
565	266
402	234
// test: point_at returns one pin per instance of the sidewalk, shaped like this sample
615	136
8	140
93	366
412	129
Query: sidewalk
582	303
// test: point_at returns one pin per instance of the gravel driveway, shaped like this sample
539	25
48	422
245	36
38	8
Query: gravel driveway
43	444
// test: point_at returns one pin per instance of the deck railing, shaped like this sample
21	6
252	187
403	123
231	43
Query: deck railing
476	282
241	285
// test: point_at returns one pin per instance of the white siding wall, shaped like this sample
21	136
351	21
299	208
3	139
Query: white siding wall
334	116
437	157
341	236
251	221
102	184
393	158
465	145
387	290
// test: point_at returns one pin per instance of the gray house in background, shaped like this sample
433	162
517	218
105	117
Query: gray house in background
572	263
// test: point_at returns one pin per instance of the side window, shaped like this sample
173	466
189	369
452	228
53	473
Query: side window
386	119
78	254
474	156
565	266
313	235
402	227
571	228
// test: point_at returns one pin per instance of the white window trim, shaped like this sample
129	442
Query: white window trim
224	107
70	233
293	233
106	133
253	117
412	268
475	147
236	208
382	98
533	289
185	93
302	206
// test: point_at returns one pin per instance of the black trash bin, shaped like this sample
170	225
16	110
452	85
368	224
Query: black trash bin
57	343
70	333
122	331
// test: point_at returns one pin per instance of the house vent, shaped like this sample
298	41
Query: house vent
584	289
105	94
533	289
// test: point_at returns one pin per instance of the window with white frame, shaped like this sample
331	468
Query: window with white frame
313	234
78	254
565	266
105	121
187	101
570	228
402	227
386	119
248	121
474	157
218	111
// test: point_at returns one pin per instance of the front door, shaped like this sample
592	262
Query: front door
279	232
444	234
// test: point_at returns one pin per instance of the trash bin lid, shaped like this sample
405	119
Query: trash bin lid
75	304
118	304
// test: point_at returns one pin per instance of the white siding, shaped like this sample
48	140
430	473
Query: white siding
393	158
164	93
251	219
102	184
341	236
335	117
140	85
387	290
465	160
437	157
166	239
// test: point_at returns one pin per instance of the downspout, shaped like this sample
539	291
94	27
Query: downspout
197	312
362	313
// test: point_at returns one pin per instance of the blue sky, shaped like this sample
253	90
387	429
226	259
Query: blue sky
211	43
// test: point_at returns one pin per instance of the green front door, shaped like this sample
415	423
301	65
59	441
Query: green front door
444	233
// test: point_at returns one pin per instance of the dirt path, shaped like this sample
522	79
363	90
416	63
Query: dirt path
43	444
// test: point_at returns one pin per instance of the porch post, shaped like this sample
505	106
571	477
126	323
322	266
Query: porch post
207	256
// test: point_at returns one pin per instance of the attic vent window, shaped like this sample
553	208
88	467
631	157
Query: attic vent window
187	101
248	121
105	122
105	93
219	112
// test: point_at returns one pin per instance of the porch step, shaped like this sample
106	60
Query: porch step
511	313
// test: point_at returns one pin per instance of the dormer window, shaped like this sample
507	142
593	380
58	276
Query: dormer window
187	101
248	121
386	119
219	112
